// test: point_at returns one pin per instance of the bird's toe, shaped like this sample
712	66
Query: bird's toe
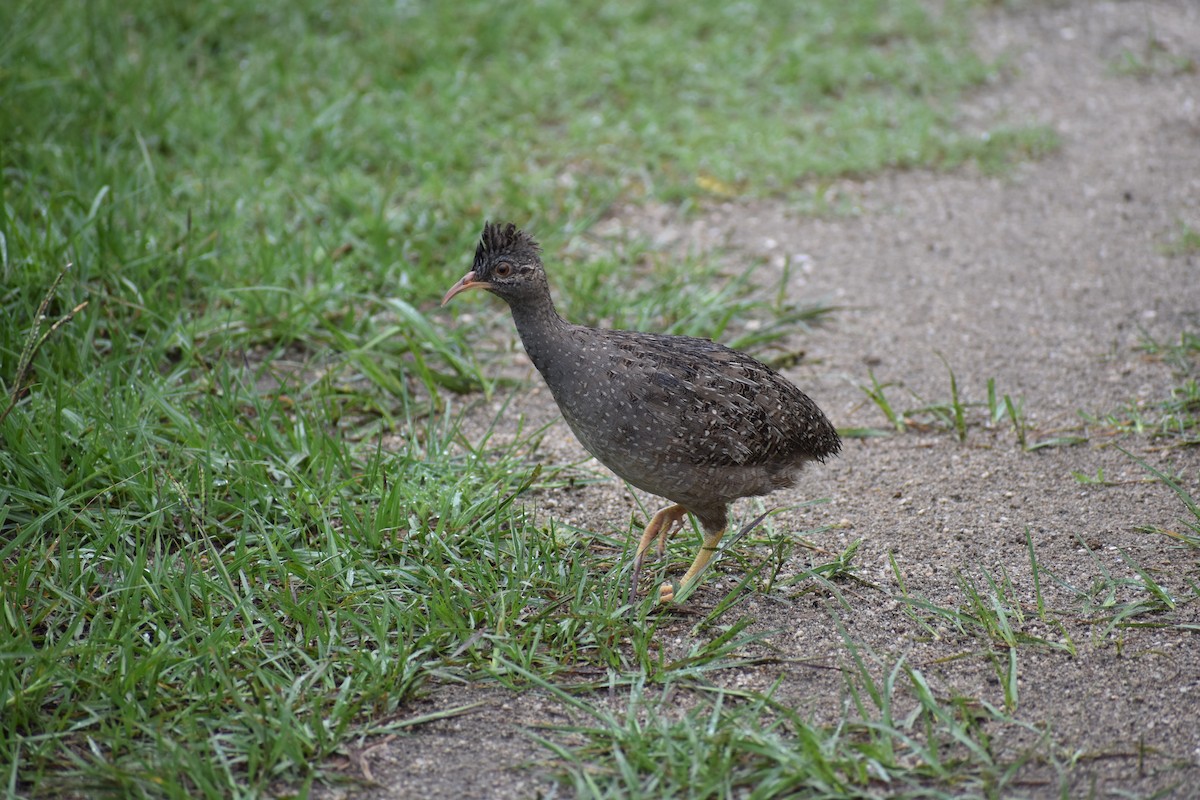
666	594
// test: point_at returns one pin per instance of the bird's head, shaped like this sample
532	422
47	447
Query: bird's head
507	263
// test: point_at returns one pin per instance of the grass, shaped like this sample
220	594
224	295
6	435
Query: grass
995	616
1174	419
957	415
240	519
1153	60
736	743
1186	241
685	733
236	617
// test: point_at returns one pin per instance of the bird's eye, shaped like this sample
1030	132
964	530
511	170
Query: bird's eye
503	269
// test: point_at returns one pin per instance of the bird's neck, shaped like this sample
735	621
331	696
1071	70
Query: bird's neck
542	331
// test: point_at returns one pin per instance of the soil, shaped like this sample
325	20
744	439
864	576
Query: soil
1049	280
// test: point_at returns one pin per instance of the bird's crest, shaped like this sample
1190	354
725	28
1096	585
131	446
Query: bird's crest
505	238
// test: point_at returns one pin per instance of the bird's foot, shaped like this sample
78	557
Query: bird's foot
658	530
666	593
672	520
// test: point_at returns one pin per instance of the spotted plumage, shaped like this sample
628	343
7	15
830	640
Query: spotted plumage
683	418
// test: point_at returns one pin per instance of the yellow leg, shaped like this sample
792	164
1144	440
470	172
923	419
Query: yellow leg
666	592
660	527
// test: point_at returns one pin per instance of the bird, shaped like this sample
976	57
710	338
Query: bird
683	418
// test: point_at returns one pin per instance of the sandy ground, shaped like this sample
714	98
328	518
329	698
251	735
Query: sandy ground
1047	280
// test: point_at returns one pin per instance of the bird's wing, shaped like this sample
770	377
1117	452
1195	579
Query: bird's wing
716	406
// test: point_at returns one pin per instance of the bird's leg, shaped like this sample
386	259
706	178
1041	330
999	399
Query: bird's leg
666	592
660	526
667	528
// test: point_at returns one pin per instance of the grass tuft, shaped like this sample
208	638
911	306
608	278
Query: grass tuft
1174	419
958	415
1186	241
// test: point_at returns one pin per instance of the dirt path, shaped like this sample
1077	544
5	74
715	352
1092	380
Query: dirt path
1046	280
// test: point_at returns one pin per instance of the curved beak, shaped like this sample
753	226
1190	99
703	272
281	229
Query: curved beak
468	282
